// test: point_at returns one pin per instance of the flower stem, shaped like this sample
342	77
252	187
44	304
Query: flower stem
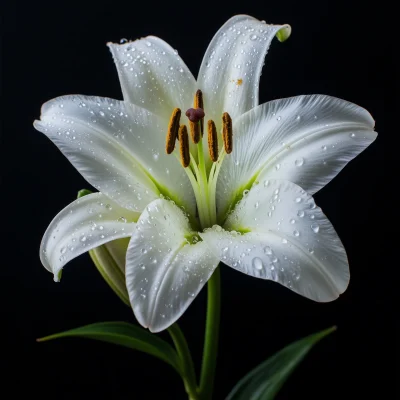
211	336
188	373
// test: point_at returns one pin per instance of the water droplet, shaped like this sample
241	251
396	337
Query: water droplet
300	213
142	266
299	162
63	250
279	118
121	219
292	221
298	118
277	166
352	135
256	204
225	249
267	250
324	147
83	238
298	199
245	192
315	228
257	263
108	206
253	37
284	241
123	40
296	233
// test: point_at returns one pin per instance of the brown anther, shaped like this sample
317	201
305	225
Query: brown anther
227	132
195	131
173	128
184	146
212	140
198	103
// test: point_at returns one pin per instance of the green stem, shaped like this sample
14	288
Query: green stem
188	372
211	337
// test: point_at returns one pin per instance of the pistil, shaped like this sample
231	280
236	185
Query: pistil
203	183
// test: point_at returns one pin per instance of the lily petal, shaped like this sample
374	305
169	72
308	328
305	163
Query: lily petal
118	148
305	139
288	240
230	72
164	272
153	76
83	225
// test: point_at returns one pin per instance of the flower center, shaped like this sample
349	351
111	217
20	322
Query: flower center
203	179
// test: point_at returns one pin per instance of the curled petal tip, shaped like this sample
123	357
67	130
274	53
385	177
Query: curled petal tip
283	34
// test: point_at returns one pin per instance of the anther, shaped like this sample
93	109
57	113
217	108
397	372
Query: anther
173	128
227	132
184	146
195	131
198	103
212	140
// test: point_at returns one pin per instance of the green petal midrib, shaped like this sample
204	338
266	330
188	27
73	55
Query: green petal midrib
238	194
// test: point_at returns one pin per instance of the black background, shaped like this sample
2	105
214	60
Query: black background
51	49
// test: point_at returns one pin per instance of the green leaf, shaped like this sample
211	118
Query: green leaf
124	334
264	381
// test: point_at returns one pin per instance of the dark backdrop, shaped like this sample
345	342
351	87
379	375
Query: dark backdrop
55	48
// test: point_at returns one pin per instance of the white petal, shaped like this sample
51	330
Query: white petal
230	72
153	76
306	140
118	148
163	272
84	224
289	240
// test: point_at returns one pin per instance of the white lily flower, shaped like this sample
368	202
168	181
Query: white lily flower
251	209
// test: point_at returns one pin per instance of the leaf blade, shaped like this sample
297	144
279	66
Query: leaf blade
264	381
123	334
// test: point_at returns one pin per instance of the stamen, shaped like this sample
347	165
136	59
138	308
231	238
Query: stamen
227	132
173	128
212	140
184	146
198	103
195	131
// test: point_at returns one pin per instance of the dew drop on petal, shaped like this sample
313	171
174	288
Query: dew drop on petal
296	233
299	162
267	250
315	228
257	263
